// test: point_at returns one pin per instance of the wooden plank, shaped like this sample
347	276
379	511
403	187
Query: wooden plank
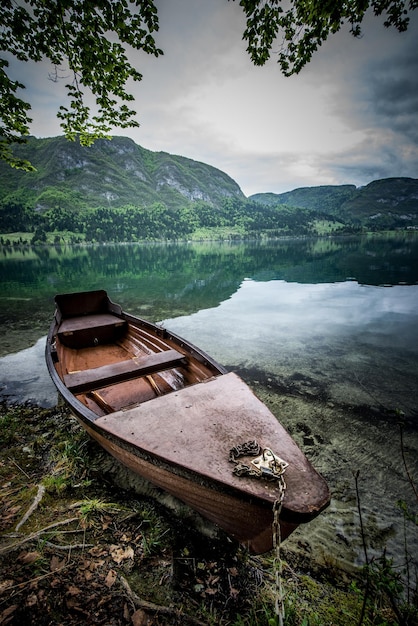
89	330
84	322
250	522
84	303
97	377
195	428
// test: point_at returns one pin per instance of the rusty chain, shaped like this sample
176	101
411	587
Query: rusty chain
271	467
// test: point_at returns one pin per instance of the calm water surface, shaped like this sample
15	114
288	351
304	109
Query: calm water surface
330	318
326	331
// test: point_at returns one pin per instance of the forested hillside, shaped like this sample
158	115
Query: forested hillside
119	191
111	173
234	219
387	203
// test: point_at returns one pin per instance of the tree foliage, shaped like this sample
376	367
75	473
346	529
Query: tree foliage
87	43
305	24
234	218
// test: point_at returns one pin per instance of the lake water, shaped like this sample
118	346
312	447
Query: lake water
325	331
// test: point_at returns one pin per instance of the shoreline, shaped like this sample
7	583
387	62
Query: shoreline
321	562
336	438
15	239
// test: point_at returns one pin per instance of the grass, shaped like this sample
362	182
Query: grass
99	535
325	227
92	510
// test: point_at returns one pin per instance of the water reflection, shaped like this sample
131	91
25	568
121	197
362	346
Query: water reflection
24	377
285	306
279	309
332	334
369	261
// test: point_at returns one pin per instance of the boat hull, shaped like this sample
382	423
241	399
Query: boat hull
171	414
247	521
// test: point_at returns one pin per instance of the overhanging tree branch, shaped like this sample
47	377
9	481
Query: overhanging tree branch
303	26
91	38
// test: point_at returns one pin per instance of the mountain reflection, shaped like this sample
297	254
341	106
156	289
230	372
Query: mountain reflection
311	309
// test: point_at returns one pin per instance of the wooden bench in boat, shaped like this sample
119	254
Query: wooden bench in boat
88	380
87	330
83	322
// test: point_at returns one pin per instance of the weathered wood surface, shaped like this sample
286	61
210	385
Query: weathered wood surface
248	521
195	428
95	378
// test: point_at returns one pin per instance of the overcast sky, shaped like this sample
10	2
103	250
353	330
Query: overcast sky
351	116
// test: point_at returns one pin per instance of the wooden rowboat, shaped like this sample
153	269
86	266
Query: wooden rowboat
170	413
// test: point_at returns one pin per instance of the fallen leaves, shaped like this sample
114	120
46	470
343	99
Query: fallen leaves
56	563
73	591
110	578
29	557
79	580
5	585
7	615
9	515
119	553
140	618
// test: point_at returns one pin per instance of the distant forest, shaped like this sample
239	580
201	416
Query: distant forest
117	191
234	219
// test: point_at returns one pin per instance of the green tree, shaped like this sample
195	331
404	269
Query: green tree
303	25
83	38
16	214
39	235
87	39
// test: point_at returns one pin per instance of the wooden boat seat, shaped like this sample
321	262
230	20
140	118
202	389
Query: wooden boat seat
88	380
88	330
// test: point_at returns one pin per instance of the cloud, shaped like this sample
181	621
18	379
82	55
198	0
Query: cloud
349	117
393	94
339	121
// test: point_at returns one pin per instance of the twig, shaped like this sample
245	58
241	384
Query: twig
367	390
34	505
411	482
363	536
19	468
21	586
70	546
366	556
156	608
374	398
17	544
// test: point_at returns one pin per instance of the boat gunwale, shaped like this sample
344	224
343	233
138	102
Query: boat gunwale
85	415
115	309
88	417
288	515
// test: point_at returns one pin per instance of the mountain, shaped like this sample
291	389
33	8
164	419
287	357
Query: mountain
379	201
390	196
119	173
111	173
324	198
